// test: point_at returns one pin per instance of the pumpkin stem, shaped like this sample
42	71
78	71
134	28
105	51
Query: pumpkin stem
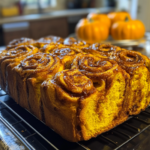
91	20
98	11
126	19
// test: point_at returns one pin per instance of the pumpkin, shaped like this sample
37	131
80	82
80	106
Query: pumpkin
118	16
100	17
128	29
91	31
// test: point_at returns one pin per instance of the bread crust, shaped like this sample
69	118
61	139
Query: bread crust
79	90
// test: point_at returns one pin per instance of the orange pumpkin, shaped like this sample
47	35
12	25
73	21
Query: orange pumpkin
118	16
91	31
100	17
129	29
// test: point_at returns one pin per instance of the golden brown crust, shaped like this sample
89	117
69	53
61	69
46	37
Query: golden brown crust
102	50
17	42
48	40
31	72
13	56
137	65
72	90
106	74
95	68
79	90
71	42
65	53
65	91
51	39
130	60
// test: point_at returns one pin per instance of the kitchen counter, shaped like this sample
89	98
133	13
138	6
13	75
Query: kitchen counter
59	23
54	14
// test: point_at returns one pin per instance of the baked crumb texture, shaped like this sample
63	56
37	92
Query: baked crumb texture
78	89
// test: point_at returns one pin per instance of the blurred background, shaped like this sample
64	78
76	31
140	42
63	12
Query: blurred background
40	18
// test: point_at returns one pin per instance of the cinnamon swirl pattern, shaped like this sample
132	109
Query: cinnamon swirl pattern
70	41
21	41
72	90
10	58
77	89
48	40
130	60
65	53
102	50
110	81
30	73
137	65
51	39
73	43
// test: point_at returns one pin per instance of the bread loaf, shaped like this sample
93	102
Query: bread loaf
137	66
79	90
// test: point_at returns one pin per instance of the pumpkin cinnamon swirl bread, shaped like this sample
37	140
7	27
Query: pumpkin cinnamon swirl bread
102	50
10	58
78	89
64	52
21	41
75	44
136	65
30	73
79	99
40	43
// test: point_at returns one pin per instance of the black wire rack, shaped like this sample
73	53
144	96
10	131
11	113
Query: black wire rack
36	135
